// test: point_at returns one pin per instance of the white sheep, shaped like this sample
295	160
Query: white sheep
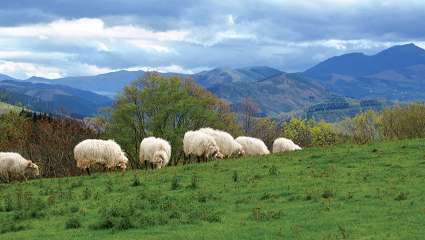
106	153
225	142
14	166
200	145
253	146
155	150
284	145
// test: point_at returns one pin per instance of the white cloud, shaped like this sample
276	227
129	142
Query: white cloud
25	70
171	68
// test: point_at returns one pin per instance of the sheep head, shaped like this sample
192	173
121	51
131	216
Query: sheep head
32	169
159	158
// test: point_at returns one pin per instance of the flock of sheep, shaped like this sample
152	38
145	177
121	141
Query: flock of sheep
202	144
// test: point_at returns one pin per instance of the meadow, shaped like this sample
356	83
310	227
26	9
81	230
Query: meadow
373	191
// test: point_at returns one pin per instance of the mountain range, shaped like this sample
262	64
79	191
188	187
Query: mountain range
52	98
394	74
397	74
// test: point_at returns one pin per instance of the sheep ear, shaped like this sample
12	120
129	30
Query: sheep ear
29	164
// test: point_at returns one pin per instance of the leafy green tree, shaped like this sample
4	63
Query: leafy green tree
164	107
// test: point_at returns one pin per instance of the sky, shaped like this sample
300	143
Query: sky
54	39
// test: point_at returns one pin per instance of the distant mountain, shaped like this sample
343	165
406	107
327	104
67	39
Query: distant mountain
397	73
274	90
52	98
5	77
229	75
279	93
108	84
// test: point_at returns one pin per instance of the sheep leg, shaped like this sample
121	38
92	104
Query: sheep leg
88	171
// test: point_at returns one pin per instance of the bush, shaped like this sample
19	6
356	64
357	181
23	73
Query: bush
322	134
298	131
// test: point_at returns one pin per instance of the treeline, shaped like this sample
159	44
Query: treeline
47	140
167	107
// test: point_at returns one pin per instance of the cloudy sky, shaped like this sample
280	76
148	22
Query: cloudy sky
59	38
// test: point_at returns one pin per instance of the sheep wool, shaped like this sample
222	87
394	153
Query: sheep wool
102	152
225	142
252	146
284	145
14	166
156	151
199	144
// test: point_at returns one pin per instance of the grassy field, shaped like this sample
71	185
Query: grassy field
344	192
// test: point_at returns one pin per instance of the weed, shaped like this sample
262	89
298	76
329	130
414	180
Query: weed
194	184
235	176
402	196
86	193
136	181
72	223
257	214
175	183
327	194
273	171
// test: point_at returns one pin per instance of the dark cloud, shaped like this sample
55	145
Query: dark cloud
290	35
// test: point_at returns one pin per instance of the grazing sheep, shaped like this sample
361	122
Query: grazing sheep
253	146
92	152
284	145
156	151
200	145
14	166
225	142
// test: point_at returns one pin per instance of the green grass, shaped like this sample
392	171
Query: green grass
342	192
5	107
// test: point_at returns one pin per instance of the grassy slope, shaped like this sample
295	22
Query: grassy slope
5	107
351	192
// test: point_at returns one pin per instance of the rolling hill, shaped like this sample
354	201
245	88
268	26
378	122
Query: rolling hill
273	90
342	192
52	98
397	74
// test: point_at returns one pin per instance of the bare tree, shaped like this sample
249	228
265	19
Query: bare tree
248	110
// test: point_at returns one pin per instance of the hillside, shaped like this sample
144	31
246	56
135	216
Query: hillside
273	90
341	192
396	73
337	108
5	107
52	98
280	93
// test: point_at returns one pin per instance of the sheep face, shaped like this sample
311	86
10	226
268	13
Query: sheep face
32	169
159	158
123	162
213	151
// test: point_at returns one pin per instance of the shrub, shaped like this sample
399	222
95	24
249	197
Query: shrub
298	131
322	134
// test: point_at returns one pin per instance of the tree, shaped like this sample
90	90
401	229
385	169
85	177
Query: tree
265	129
164	107
248	110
